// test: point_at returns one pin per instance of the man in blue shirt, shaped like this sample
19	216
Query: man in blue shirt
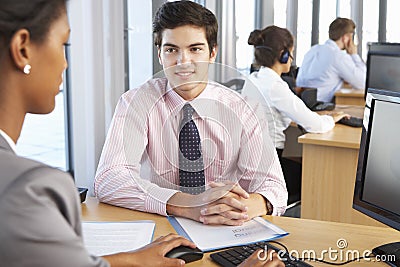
326	65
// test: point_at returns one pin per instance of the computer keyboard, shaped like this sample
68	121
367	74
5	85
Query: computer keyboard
234	256
352	121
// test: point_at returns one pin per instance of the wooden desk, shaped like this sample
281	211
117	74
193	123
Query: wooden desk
346	96
304	234
293	149
329	171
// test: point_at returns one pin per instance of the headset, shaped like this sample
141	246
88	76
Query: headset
284	57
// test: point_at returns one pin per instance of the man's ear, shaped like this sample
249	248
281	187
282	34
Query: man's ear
20	48
213	54
159	54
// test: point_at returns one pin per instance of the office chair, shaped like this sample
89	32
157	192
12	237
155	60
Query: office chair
292	170
254	67
235	84
290	77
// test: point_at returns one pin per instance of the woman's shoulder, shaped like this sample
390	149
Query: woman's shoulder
20	173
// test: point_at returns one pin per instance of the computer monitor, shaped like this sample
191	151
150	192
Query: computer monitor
383	63
383	71
384	47
377	189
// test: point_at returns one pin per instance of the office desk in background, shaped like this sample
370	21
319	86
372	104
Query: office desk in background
348	96
304	234
329	172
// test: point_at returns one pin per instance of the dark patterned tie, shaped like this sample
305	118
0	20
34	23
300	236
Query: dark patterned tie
191	166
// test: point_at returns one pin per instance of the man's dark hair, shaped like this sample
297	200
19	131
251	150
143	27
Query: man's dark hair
34	15
180	13
339	27
269	44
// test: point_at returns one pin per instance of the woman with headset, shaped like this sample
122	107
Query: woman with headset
273	48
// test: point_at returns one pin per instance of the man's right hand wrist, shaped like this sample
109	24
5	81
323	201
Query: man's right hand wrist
183	205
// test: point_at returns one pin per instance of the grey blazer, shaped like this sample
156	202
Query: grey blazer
40	219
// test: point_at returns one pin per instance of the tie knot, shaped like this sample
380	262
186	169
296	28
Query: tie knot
187	112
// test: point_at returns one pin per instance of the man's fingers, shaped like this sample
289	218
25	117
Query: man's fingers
235	188
240	191
225	211
219	220
215	193
222	205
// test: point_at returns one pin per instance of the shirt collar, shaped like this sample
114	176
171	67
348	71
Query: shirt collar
175	102
266	70
332	43
9	141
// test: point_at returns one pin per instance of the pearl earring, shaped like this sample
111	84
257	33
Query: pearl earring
27	69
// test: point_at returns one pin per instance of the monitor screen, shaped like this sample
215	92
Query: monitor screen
377	192
383	71
377	188
393	48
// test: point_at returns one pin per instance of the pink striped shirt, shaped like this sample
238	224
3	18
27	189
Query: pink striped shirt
139	168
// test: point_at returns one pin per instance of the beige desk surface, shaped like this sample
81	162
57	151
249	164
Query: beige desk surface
304	234
341	135
348	96
350	92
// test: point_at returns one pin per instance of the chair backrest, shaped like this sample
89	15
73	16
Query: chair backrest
254	67
309	96
235	84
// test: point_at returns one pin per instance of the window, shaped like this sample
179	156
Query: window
304	27
280	13
245	16
392	27
139	42
370	24
43	136
327	14
343	8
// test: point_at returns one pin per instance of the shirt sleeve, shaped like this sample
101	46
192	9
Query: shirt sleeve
118	180
41	224
293	107
352	69
259	169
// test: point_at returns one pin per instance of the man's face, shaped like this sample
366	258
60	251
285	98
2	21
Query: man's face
185	56
348	38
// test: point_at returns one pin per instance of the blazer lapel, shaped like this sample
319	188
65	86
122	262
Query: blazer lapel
4	145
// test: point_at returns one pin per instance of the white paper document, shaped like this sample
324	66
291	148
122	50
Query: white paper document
104	238
212	237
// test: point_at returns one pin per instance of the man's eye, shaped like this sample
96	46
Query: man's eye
170	50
